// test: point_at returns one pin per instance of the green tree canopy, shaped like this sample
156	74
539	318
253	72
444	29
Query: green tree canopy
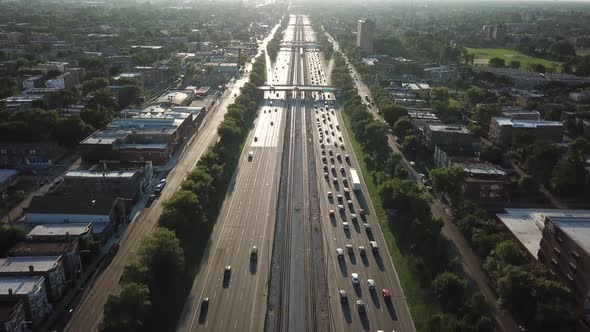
127	311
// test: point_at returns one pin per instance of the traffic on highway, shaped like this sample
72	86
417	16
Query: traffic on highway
297	244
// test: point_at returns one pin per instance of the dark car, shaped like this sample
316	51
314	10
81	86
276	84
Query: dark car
151	199
204	309
343	296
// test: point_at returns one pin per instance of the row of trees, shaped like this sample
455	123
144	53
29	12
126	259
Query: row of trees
154	287
274	45
462	310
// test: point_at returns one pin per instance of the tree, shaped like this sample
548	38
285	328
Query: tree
69	131
182	214
439	94
96	117
64	98
562	49
8	87
449	289
162	255
103	97
536	67
135	272
9	236
128	95
128	310
411	143
528	184
541	159
492	154
497	62
392	112
475	95
403	127
450	180
506	253
514	64
94	84
483	114
516	293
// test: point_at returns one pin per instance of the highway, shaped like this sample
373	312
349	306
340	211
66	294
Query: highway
88	313
247	218
345	316
278	202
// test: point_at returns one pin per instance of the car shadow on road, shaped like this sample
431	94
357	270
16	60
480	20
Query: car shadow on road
352	259
364	321
253	266
346	311
343	268
365	260
375	298
391	310
379	261
358	290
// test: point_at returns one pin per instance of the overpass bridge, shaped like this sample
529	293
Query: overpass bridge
306	89
301	88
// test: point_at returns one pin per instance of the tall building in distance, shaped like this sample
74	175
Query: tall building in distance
495	31
365	34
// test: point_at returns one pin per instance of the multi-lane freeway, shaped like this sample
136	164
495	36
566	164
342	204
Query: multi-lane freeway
284	200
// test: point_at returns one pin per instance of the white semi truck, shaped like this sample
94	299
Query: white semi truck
356	182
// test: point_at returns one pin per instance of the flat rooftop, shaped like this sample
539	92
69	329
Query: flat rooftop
73	229
577	228
527	123
51	248
19	285
449	128
527	224
23	263
100	174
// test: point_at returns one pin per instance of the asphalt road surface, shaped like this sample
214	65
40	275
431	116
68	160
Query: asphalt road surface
380	314
88	314
237	302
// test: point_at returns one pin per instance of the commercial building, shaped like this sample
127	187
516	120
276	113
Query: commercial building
503	131
12	316
67	249
104	210
31	291
365	34
175	98
151	134
450	138
61	232
126	180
